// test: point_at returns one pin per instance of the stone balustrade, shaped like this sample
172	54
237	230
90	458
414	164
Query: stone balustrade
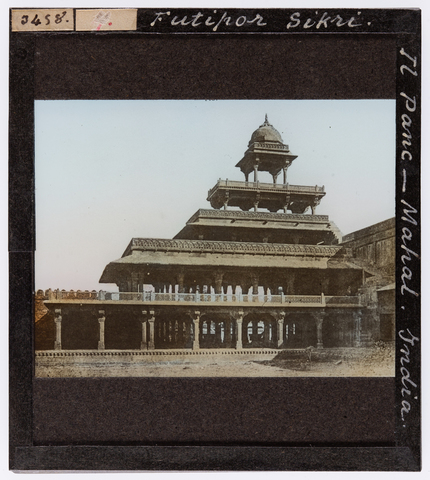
154	297
286	188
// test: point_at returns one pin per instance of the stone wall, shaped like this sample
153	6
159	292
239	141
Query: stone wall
39	307
45	325
375	246
373	249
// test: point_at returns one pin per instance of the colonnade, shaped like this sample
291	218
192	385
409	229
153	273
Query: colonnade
222	282
256	169
229	329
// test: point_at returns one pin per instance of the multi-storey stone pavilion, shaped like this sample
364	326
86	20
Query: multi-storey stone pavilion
268	274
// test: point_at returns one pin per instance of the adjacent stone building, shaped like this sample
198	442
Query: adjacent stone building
373	248
260	270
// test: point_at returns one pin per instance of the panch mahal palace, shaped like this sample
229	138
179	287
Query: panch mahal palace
260	270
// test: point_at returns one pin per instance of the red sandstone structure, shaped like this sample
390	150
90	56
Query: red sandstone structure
238	279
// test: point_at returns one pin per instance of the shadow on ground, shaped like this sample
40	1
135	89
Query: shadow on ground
312	359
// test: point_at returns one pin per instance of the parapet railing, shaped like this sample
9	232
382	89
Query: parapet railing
266	186
149	297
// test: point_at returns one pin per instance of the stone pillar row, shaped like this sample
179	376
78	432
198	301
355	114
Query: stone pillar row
148	328
220	288
150	319
218	281
274	175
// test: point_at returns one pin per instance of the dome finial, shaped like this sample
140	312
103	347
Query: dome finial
266	122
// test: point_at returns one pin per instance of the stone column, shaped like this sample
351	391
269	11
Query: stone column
319	319
254	279
102	318
315	203
58	318
189	334
287	201
218	333
266	333
180	278
151	320
256	202
256	170
254	329
244	288
226	199
164	332
285	173
218	276
196	321
325	284
280	320
144	342
291	277
134	282
239	320
357	328
227	333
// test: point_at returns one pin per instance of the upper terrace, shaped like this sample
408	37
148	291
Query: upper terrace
270	196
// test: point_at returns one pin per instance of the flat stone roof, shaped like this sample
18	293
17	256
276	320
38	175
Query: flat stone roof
151	252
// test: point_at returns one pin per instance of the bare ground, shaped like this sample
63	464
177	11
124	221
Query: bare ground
377	361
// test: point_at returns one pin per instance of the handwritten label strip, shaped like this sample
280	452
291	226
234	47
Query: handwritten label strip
106	19
42	20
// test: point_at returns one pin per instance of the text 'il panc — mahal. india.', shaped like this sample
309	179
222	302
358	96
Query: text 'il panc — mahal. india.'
259	271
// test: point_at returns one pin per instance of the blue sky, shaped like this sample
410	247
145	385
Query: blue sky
107	171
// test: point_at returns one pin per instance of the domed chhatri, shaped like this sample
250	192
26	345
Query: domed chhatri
266	133
266	153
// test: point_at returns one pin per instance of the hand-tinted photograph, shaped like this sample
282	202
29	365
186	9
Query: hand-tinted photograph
215	238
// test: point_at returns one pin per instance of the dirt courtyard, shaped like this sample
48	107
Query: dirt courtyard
376	361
